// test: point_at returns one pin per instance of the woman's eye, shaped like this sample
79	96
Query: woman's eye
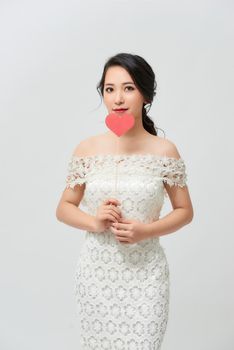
107	89
127	87
130	87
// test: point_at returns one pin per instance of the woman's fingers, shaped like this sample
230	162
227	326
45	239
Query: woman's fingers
112	214
111	201
121	235
113	209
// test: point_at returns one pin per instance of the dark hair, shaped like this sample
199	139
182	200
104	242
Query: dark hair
144	78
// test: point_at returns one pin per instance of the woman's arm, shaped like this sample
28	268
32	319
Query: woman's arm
68	210
181	215
73	216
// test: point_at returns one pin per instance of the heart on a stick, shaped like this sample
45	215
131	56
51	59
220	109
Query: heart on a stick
119	124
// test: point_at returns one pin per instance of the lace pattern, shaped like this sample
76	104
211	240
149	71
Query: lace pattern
174	172
122	290
170	170
77	170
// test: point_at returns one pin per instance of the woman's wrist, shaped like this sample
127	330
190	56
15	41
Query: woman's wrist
94	224
151	229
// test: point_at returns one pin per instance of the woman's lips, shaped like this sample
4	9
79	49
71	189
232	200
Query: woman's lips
120	110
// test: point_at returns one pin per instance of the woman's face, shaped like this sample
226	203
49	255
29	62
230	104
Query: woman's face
121	92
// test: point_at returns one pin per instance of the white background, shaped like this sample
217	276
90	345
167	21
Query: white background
51	58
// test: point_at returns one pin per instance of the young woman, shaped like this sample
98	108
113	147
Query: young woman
122	275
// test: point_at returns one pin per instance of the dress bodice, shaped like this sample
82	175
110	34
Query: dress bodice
136	180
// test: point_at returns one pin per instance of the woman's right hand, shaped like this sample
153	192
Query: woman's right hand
107	213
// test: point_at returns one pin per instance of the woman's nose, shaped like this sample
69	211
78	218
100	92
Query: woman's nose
119	97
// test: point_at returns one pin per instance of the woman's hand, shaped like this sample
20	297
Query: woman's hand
129	231
107	213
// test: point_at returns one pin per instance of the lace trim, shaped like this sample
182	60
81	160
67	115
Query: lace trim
174	172
77	170
171	170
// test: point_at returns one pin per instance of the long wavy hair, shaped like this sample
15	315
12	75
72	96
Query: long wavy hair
144	78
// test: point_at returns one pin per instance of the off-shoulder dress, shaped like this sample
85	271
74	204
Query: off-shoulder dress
122	290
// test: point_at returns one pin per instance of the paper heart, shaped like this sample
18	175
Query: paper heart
119	124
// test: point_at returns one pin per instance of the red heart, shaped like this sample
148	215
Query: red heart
119	124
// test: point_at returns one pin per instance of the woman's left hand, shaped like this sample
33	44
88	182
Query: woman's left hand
129	231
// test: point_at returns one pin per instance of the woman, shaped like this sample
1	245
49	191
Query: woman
122	276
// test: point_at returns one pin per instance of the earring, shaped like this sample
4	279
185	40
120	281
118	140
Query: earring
146	104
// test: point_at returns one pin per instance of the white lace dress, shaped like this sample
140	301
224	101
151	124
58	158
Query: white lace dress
122	290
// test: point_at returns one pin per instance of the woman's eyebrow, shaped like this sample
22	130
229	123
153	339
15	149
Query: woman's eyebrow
128	82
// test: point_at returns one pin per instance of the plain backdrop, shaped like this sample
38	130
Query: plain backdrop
51	58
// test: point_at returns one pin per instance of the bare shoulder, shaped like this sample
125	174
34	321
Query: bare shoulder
166	147
86	147
100	143
171	149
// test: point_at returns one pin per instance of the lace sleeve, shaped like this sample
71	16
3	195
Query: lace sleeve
174	172
76	171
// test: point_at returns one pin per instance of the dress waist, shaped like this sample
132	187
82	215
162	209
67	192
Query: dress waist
108	239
